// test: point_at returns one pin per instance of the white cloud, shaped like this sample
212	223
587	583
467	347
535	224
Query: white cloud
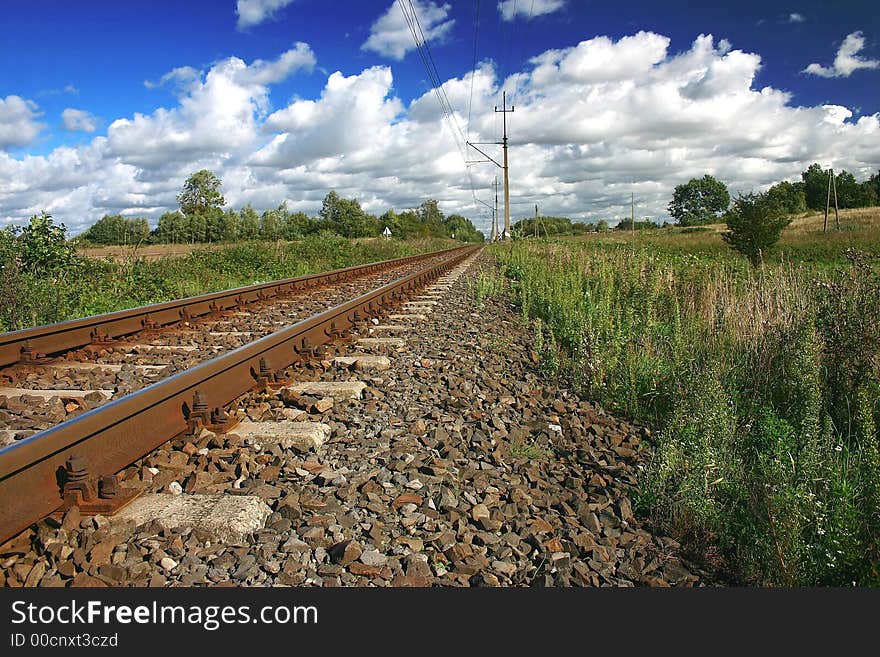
796	18
593	123
846	61
215	116
78	120
510	9
18	121
254	12
262	72
390	35
183	78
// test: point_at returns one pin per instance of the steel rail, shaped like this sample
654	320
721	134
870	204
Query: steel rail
116	434
55	338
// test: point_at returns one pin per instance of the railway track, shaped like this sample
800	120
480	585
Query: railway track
403	436
83	399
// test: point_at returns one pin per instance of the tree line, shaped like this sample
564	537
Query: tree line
706	200
202	218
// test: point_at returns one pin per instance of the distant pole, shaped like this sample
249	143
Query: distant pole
504	111
632	215
836	214
828	200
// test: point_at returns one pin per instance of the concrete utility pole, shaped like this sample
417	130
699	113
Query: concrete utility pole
632	216
495	214
504	112
489	158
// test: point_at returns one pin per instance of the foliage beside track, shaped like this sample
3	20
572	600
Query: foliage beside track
764	386
43	280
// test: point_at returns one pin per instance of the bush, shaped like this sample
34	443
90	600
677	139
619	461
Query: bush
764	390
755	225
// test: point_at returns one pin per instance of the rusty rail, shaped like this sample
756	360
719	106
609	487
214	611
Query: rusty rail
31	343
118	433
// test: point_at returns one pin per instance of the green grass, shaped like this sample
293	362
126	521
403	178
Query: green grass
89	286
803	241
764	387
529	451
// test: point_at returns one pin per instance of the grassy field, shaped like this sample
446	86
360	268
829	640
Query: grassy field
153	252
763	387
802	241
93	285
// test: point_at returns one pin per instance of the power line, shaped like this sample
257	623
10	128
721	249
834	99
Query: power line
474	67
412	19
522	52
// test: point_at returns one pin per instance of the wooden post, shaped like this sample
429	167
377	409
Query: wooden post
828	200
836	213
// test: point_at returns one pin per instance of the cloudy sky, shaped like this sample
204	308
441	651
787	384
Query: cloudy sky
107	107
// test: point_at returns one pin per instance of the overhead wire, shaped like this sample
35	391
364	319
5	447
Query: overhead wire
412	19
474	66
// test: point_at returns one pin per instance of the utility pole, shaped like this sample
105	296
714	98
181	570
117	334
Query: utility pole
632	216
832	182
495	214
827	201
504	112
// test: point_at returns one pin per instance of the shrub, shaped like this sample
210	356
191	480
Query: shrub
755	225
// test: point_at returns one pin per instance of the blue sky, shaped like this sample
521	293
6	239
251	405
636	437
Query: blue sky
287	99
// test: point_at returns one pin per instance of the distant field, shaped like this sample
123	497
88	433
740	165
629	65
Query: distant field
149	252
154	252
802	240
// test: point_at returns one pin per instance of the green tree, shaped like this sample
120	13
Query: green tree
230	225
270	226
297	225
602	226
700	201
200	192
869	194
874	183
431	217
815	180
173	228
346	217
331	212
789	196
754	225
851	194
463	229
116	229
249	226
44	246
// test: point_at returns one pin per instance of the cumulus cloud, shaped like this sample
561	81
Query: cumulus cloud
796	18
510	9
254	12
76	120
846	61
593	123
183	78
18	121
261	72
215	115
390	35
